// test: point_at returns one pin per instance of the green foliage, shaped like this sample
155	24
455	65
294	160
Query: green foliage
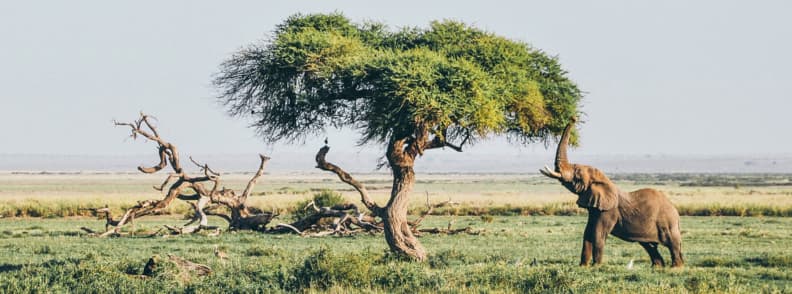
447	258
324	269
322	198
450	79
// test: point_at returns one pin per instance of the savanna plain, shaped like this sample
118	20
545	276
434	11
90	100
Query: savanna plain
525	236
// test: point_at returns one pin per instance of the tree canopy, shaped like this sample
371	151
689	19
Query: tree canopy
451	80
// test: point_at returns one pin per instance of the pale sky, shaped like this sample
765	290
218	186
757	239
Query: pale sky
662	77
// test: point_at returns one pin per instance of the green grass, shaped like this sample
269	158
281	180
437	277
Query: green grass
723	254
519	219
53	195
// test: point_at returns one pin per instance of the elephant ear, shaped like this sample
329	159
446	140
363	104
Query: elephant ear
602	193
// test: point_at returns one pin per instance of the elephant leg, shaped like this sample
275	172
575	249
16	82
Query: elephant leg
673	240
654	255
588	244
585	256
599	248
602	225
675	247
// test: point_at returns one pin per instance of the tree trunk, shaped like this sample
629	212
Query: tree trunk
398	233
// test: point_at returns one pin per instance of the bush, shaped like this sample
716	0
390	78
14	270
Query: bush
323	198
554	280
324	269
406	277
767	260
448	258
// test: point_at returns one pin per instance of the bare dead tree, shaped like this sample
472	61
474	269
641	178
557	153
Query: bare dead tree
240	216
209	199
178	181
168	155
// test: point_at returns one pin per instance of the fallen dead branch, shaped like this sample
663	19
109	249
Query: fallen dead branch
90	231
467	230
224	203
240	217
168	155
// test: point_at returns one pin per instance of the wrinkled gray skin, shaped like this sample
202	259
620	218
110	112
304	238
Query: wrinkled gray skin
645	216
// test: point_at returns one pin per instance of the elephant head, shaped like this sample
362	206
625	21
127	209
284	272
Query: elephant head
593	188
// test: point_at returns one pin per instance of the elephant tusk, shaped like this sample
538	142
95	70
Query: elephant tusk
550	173
555	173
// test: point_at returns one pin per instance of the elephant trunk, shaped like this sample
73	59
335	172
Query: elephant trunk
562	162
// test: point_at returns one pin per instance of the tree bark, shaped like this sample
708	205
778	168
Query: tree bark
398	232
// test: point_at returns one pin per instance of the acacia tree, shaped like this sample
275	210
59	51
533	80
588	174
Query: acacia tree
411	90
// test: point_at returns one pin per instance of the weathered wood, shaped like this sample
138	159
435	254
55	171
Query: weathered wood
240	217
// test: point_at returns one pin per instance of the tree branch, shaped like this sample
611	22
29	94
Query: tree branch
440	142
429	210
164	183
166	150
254	179
322	164
208	172
240	216
162	151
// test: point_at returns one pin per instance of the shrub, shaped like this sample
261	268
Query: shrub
322	198
447	258
767	260
554	280
406	277
324	269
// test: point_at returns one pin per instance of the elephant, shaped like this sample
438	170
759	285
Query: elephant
645	216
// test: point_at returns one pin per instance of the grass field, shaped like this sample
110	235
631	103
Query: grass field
58	195
529	242
723	254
